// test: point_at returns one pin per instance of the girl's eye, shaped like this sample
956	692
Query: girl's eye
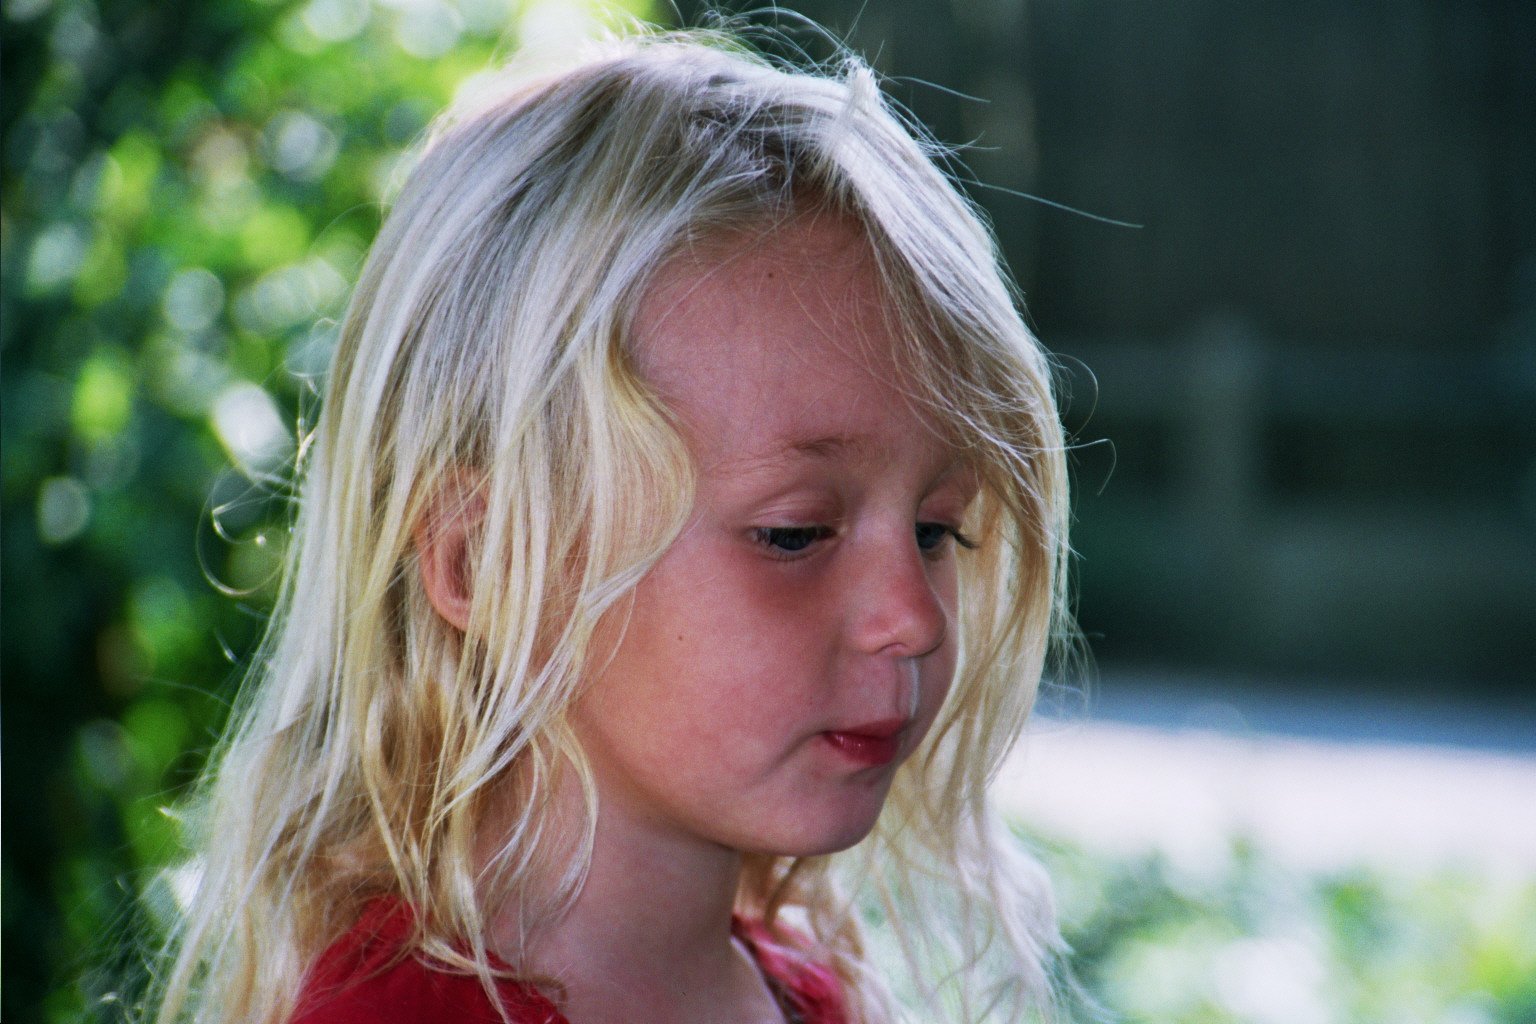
931	536
790	540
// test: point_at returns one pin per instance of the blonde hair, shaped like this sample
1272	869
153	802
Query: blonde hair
484	358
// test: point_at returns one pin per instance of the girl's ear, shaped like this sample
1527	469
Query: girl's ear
444	550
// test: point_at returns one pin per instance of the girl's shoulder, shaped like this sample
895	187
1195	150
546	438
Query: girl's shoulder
370	976
808	991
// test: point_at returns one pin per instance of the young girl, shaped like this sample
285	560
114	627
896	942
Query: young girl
680	546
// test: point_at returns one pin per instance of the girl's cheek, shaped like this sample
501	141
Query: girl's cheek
937	692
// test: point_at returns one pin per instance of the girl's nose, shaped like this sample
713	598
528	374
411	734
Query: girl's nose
897	609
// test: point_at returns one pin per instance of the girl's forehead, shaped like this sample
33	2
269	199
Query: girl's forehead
805	290
785	343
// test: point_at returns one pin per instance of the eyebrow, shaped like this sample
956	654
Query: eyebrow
823	448
829	446
820	448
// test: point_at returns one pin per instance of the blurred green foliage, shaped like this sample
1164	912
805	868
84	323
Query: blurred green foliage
188	188
1243	940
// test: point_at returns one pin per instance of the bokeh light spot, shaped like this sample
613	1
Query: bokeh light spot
193	299
63	509
299	145
56	256
428	29
249	426
335	20
103	397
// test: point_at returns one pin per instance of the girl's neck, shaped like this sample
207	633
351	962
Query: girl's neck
649	935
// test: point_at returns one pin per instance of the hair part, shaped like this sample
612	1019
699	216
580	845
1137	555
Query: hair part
373	739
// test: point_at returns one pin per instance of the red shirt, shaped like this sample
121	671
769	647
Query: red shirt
363	978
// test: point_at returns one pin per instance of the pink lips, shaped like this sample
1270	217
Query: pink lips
872	744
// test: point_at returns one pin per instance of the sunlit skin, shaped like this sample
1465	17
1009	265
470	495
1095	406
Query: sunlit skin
794	644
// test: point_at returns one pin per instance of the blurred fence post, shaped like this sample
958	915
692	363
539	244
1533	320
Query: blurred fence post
1218	452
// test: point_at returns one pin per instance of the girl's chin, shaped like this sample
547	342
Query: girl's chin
809	840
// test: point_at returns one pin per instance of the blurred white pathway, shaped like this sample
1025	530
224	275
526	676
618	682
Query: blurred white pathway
1307	802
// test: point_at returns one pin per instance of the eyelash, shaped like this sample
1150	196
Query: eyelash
790	542
944	531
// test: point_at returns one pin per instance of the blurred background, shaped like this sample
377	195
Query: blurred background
1301	783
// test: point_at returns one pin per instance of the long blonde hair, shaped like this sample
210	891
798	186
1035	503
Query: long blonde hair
484	358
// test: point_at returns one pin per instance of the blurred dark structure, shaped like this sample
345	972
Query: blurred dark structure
1315	362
